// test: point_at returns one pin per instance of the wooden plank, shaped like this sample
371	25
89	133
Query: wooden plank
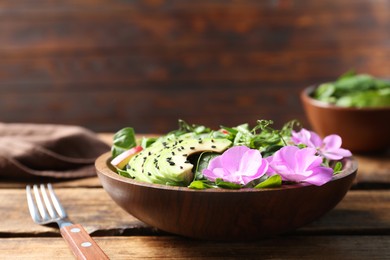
187	24
361	212
84	71
90	207
99	58
152	112
374	169
166	247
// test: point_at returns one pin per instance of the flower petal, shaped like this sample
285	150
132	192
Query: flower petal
331	148
250	162
300	165
320	176
231	158
305	158
315	139
332	142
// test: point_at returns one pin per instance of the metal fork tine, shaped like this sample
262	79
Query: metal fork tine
48	202
50	210
41	208
32	206
61	211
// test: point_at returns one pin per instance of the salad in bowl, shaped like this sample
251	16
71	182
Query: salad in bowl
198	157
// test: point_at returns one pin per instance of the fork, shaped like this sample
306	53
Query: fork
45	208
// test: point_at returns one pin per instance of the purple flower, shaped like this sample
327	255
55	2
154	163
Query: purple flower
238	164
329	147
299	165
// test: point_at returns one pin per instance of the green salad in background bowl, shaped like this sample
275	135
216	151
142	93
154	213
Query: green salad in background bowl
355	90
355	107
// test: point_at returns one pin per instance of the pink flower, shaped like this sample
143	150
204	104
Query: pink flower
299	165
238	164
329	147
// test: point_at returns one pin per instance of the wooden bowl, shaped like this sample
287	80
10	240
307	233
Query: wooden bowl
361	129
220	214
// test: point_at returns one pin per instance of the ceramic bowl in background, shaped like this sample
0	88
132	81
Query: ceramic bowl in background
361	129
222	214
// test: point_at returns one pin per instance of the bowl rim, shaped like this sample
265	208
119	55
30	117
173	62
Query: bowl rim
306	96
102	166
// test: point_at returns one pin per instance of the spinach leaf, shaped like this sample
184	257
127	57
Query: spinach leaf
203	161
227	185
355	90
274	181
123	140
200	185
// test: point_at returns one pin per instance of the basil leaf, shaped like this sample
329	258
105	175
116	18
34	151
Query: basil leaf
123	140
274	181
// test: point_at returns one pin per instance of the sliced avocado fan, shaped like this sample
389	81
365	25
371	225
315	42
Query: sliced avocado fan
166	160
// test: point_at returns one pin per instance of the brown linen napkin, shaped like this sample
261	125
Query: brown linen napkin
46	150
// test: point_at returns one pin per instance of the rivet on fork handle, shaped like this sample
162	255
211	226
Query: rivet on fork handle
81	244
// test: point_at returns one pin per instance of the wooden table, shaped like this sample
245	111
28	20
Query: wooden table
358	228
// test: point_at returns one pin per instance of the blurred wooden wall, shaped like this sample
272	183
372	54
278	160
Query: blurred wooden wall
107	64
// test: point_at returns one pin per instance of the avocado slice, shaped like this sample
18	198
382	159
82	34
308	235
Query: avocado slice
166	160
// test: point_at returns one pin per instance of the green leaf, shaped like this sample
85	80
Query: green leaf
227	185
200	185
123	173
147	141
184	128
337	168
274	181
123	140
203	161
355	90
270	150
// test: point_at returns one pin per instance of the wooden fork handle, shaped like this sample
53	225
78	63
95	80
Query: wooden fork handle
81	243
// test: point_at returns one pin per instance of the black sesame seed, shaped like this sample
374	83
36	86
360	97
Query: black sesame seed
172	163
213	146
192	148
181	167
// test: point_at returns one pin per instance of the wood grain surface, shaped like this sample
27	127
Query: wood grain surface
170	247
358	228
359	225
360	212
146	63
